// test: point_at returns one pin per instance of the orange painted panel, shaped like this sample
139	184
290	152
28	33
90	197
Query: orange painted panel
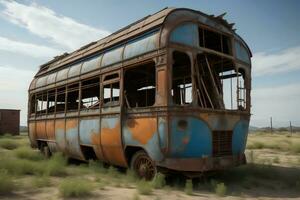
32	133
41	130
60	134
50	129
111	141
142	129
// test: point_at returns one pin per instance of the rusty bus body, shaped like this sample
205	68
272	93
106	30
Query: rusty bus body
149	95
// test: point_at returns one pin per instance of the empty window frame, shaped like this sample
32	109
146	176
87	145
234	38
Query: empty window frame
60	100
51	102
111	94
181	79
214	40
32	104
90	94
41	101
73	97
140	86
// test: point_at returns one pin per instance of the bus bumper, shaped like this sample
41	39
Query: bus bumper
203	164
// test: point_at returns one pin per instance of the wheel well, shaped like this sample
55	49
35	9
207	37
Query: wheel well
41	144
130	151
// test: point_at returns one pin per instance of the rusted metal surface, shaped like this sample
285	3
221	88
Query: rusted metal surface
197	135
9	121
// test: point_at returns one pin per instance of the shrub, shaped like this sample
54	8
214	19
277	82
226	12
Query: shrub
220	189
56	165
295	147
43	181
256	145
75	187
188	189
144	187
113	172
21	167
97	166
8	144
159	181
29	154
131	176
6	183
276	160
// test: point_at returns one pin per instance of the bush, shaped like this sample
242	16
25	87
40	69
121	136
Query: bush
159	181
188	189
295	147
220	189
75	187
97	166
43	181
56	165
8	144
6	183
29	154
131	176
256	145
113	172
144	187
21	167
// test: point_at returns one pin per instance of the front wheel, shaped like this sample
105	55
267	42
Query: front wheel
143	165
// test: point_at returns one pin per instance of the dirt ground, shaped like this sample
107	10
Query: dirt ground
273	173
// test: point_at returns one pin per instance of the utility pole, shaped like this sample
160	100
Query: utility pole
291	128
271	125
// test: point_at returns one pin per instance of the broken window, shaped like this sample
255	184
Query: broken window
73	97
60	99
181	79
214	40
32	104
51	102
90	94
139	86
41	103
218	84
111	94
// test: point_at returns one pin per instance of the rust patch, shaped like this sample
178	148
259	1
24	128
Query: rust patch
142	129
41	130
112	145
71	124
50	130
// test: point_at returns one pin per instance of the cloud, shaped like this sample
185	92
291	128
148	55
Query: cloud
28	49
45	23
286	60
279	102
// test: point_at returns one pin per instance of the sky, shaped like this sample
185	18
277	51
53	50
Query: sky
33	32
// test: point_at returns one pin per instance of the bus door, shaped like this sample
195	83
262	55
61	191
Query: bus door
110	122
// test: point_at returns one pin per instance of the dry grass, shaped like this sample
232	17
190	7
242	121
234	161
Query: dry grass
76	187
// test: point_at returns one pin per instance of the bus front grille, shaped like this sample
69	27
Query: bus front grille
222	143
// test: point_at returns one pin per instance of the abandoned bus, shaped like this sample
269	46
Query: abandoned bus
169	92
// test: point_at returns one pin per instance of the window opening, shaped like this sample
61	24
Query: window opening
51	102
111	94
60	99
73	97
90	94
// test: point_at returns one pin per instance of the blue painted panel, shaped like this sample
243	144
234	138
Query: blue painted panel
239	138
112	56
186	34
141	46
162	130
241	52
72	138
91	64
89	127
193	141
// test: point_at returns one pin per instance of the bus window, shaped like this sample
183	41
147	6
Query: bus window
60	99
73	97
41	103
90	94
51	102
111	94
139	86
181	79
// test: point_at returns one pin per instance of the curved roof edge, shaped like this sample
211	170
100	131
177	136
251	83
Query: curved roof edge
128	32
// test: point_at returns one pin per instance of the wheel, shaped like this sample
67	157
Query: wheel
143	165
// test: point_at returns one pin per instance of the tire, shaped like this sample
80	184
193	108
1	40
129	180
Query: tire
143	165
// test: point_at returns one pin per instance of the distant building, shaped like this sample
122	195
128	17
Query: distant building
9	121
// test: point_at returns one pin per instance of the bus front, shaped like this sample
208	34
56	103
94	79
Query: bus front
209	96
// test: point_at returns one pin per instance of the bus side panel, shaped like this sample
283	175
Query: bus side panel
60	134
89	133
50	130
41	130
239	138
72	139
111	140
143	132
32	134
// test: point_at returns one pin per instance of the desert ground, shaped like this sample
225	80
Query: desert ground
272	172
